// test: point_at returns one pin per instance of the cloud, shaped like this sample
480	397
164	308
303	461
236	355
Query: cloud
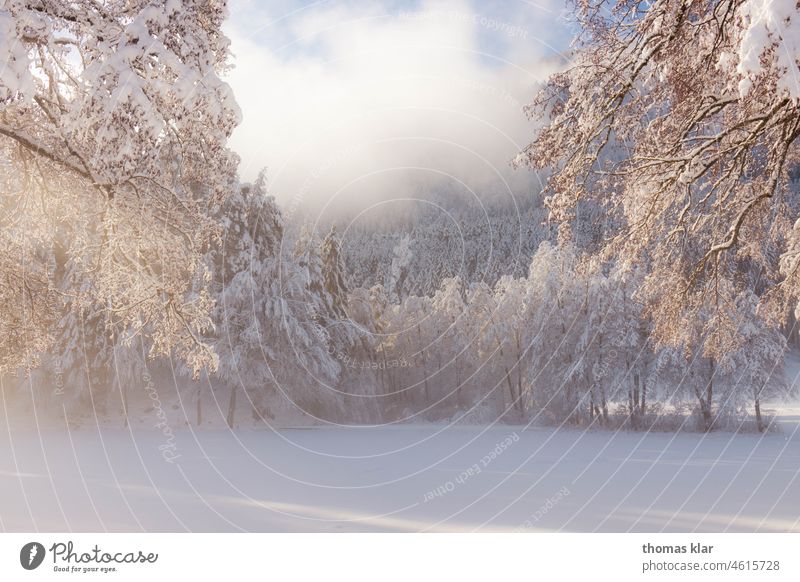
349	105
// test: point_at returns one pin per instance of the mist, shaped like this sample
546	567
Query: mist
351	106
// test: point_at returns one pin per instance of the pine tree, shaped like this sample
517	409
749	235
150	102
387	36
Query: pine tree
334	274
269	340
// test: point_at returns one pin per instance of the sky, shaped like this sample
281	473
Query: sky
348	104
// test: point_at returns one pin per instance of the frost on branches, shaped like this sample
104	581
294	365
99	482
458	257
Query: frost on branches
681	119
113	124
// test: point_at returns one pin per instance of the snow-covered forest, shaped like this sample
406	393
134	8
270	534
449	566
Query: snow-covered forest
649	284
567	342
401	229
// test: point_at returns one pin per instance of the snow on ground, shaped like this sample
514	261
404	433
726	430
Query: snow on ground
406	478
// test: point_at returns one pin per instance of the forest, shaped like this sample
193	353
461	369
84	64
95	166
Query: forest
650	284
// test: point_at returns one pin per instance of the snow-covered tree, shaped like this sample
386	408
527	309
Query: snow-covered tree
556	295
746	354
113	121
401	259
409	336
326	278
333	273
451	330
502	317
681	117
95	365
271	345
759	361
595	346
475	241
631	351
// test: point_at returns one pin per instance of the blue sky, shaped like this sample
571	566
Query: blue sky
363	100
501	24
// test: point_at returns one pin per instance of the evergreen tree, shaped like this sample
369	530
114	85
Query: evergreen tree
269	342
334	274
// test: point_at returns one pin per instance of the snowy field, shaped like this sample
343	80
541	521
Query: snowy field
407	478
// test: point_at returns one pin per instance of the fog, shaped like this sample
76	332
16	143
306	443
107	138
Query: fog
347	106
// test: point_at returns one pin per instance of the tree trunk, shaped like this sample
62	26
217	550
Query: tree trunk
390	376
509	382
383	375
604	403
644	395
519	375
634	417
199	404
232	406
510	385
638	401
424	368
125	420
759	420
707	417
633	396
459	391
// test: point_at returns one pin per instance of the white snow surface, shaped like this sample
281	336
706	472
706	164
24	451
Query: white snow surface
400	478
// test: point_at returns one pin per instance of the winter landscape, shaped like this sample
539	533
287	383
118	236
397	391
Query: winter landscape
403	266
